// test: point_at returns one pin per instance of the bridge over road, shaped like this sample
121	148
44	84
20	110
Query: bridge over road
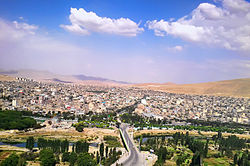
134	157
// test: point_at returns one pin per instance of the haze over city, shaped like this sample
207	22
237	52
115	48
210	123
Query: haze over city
134	41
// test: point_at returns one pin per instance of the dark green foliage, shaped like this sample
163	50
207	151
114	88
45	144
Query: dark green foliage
206	149
112	158
162	153
47	157
72	158
79	128
29	156
140	143
101	150
81	146
196	160
84	159
13	160
139	121
231	143
65	157
30	143
14	120
56	145
242	159
65	146
235	158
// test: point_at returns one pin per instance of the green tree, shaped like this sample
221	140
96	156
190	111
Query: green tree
47	157
81	146
72	158
206	149
141	138
84	159
65	157
30	143
235	159
196	160
79	128
64	146
101	150
12	160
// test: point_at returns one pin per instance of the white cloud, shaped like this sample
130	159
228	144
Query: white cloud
26	27
175	48
178	48
83	22
226	25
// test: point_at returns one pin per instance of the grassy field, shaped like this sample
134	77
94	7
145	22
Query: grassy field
112	141
217	161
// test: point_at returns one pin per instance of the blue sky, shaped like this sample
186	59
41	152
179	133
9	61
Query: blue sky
135	40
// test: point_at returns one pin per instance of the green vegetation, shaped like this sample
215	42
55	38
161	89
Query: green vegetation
84	159
30	143
57	146
107	156
81	146
14	120
112	141
47	157
50	150
188	150
142	122
13	160
105	120
54	151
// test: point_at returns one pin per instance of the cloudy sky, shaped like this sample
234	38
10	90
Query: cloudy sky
134	40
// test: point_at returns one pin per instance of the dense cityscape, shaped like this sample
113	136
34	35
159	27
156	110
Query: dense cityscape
44	98
157	118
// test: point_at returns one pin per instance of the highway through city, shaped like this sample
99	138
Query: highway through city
134	156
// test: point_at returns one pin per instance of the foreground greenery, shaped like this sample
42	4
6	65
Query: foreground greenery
184	149
55	151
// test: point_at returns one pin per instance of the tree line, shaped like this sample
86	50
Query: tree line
14	120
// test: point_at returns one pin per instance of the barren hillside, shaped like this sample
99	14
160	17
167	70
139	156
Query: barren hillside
237	88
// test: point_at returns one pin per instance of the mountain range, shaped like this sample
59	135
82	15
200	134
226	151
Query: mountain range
46	76
235	88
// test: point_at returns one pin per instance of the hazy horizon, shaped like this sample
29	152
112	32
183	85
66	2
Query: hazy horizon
130	41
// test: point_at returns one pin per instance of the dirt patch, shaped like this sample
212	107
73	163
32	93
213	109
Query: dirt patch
4	155
91	134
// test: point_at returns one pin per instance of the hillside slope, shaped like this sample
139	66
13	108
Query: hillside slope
47	76
6	78
236	88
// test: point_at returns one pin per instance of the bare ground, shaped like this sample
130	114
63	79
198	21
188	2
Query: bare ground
91	134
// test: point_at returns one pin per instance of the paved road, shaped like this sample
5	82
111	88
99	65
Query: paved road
134	156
